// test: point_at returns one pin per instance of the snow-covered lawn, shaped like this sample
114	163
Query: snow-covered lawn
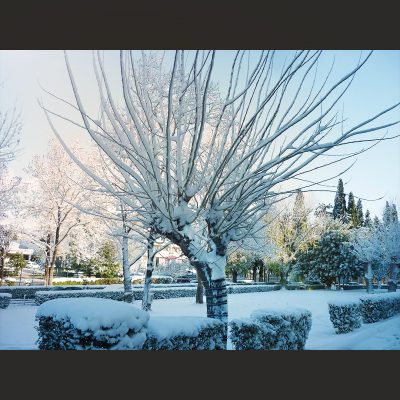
17	322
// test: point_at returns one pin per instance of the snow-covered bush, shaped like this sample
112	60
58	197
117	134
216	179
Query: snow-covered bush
28	292
42	296
345	316
156	279
185	333
90	324
233	289
269	329
5	300
377	307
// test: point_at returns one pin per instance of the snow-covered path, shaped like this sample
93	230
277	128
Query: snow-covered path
17	322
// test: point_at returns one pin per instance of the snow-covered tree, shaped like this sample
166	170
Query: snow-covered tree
330	258
360	214
55	187
339	207
367	221
352	215
7	235
206	162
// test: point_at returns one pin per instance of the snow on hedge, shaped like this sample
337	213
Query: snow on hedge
269	329
344	315
185	333
379	306
5	300
90	324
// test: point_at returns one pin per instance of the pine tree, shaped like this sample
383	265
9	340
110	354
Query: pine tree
367	221
360	214
339	208
395	217
387	214
352	213
376	221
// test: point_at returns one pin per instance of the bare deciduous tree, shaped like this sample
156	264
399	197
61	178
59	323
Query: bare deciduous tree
206	162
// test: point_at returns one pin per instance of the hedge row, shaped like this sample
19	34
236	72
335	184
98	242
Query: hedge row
302	286
19	292
77	324
90	324
5	300
345	317
377	307
272	330
168	292
185	333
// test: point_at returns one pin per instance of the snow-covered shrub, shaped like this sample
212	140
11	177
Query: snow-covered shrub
377	307
248	334
269	329
28	292
41	296
345	316
185	333
251	288
5	300
90	324
155	279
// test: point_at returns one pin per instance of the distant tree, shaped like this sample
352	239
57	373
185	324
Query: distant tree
360	214
339	207
107	265
376	221
7	235
17	263
387	216
395	217
367	220
238	263
352	212
329	259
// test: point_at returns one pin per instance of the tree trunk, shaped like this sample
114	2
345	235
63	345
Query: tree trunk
199	290
392	283
255	273
2	256
234	276
216	295
146	301
126	270
261	276
368	278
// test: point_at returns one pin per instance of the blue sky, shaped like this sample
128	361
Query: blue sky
377	86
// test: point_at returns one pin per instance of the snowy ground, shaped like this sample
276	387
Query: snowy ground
17	321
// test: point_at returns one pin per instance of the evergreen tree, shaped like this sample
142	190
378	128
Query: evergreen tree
387	214
367	221
352	213
376	221
339	208
395	217
107	265
360	214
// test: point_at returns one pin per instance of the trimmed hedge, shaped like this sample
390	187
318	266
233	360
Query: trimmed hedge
119	295
303	286
251	288
155	280
166	292
345	316
5	300
377	307
272	330
18	292
94	324
185	333
90	324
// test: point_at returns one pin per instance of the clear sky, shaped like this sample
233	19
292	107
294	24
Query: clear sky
377	86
